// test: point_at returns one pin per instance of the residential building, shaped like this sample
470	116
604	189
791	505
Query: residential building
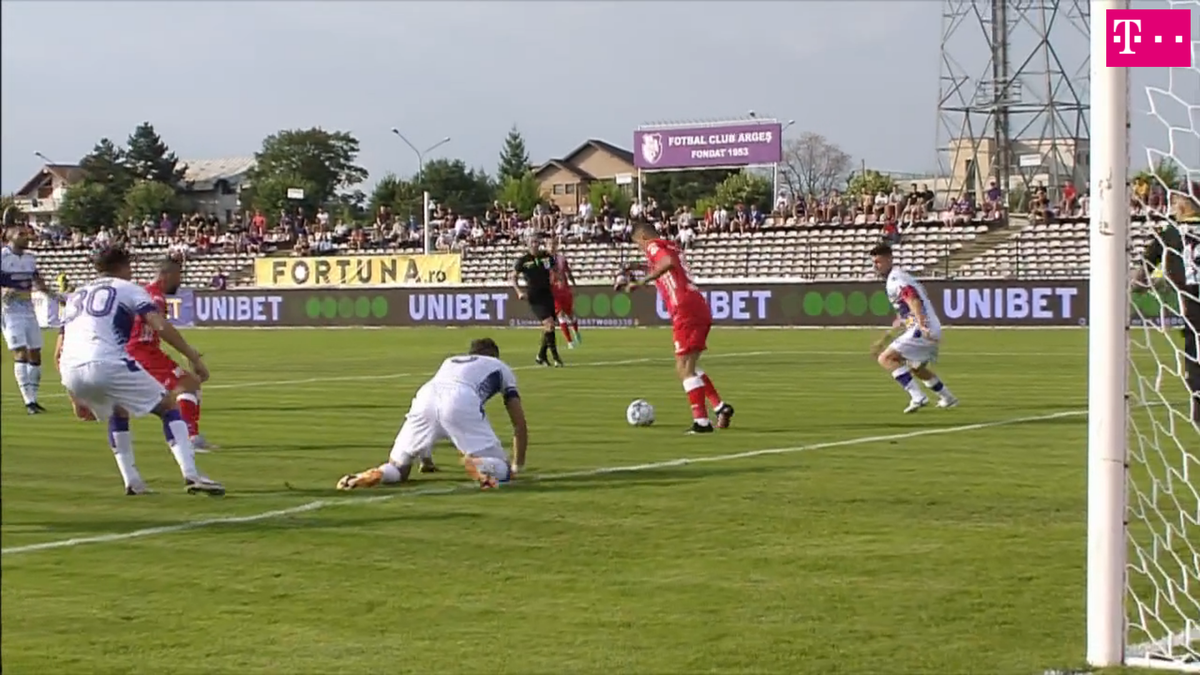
565	180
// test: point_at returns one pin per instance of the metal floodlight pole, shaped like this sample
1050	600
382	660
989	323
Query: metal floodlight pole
420	153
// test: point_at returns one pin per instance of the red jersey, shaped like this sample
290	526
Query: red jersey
676	287
560	276
144	340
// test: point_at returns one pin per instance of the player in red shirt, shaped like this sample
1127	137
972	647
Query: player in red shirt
561	280
691	320
145	348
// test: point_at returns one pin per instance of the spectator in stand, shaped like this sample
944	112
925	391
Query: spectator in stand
927	201
782	205
891	233
1069	206
635	210
757	218
220	281
1039	204
964	209
880	205
993	201
895	203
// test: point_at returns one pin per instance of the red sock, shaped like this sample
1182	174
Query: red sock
566	331
189	409
695	393
575	328
710	392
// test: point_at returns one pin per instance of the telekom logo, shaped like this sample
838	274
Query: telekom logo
1149	38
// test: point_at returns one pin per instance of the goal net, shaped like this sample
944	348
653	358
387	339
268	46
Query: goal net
1158	570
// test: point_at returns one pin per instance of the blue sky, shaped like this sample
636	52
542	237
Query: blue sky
216	77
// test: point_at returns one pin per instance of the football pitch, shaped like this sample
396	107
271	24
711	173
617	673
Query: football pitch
824	533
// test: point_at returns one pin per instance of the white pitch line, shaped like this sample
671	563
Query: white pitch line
592	364
402	492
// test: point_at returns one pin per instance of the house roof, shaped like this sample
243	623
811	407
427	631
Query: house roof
203	174
564	166
67	173
602	146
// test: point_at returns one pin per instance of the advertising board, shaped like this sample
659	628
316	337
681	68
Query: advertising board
358	270
741	144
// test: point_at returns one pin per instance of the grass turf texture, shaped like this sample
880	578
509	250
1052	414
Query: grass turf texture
940	553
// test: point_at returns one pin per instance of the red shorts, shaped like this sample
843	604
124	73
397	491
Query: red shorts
690	335
564	302
161	368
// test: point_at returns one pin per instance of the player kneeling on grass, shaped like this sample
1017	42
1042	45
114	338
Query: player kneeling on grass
451	407
98	373
910	353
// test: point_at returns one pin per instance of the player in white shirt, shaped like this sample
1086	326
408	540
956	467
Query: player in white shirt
451	407
18	278
908	356
98	372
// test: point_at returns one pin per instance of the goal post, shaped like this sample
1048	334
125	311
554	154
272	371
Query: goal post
1143	533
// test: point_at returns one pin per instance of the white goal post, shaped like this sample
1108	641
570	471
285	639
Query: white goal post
1143	540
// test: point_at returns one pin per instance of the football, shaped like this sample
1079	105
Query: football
640	414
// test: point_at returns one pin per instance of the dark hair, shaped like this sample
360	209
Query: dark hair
169	263
110	259
485	347
882	249
645	228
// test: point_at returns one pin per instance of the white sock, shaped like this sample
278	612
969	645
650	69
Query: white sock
123	451
935	385
390	473
185	457
903	377
35	378
21	370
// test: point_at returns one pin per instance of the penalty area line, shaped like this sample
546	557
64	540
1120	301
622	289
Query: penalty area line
587	473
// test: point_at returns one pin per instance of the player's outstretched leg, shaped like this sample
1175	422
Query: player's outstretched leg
388	473
574	322
946	399
121	442
893	362
721	409
565	326
413	443
175	430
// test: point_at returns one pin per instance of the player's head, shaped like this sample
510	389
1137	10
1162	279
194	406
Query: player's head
170	275
553	245
114	261
535	243
644	233
881	257
17	236
485	347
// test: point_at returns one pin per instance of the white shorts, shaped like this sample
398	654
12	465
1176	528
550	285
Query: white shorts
916	350
450	413
21	331
103	385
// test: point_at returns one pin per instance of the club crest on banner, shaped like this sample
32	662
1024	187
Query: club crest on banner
652	148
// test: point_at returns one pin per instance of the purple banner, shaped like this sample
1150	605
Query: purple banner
708	146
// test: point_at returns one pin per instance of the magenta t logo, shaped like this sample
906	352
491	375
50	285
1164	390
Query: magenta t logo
1149	38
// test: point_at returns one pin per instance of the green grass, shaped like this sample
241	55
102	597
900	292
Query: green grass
946	553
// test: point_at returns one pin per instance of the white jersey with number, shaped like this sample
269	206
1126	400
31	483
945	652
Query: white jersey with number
17	271
451	407
901	286
99	320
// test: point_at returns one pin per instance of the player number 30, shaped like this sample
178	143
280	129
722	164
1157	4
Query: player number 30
99	302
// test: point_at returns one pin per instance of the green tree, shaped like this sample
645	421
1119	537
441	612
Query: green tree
11	212
745	188
149	199
1166	172
452	184
673	189
617	196
405	198
148	158
89	205
269	194
524	193
105	165
869	181
321	162
514	158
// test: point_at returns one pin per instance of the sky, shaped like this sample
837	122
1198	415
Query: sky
216	77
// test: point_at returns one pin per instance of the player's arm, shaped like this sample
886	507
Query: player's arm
159	324
58	345
513	277
516	414
39	284
1152	256
661	262
911	298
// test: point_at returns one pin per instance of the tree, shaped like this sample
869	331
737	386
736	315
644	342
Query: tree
149	199
524	193
89	205
148	158
673	189
321	162
452	184
11	212
869	181
745	188
514	158
269	194
1165	172
105	165
617	196
812	164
